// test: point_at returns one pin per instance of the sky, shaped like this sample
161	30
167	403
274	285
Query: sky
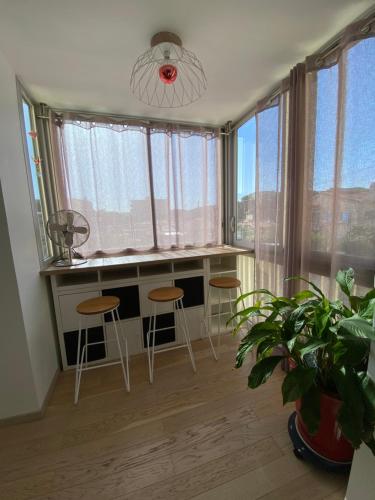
30	149
358	150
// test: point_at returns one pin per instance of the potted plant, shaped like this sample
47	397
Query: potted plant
326	344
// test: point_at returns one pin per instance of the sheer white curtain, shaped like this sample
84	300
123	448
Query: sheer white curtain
187	190
140	187
270	187
339	213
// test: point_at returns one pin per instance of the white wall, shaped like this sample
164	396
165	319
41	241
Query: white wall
17	391
34	312
362	476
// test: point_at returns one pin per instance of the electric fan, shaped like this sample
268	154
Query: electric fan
68	229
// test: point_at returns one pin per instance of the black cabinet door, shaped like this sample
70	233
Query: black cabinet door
95	352
162	321
193	290
129	301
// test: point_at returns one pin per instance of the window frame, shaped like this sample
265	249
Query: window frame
233	219
45	194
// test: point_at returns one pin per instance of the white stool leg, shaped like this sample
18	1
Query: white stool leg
123	337
186	333
148	348
153	343
207	322
76	387
120	351
86	344
219	325
80	373
151	348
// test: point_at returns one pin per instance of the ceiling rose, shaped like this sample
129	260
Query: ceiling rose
167	75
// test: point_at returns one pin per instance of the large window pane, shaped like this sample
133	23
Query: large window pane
107	179
139	188
245	193
186	190
356	203
36	167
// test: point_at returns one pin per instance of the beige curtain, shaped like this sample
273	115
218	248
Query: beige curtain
271	133
295	177
141	185
339	191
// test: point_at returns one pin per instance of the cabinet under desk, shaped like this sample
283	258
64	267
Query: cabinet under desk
130	278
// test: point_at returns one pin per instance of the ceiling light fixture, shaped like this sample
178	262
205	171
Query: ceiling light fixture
167	75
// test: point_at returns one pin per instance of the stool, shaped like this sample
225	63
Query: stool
99	305
166	294
221	283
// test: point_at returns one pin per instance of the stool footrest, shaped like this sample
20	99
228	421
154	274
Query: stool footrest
164	349
101	365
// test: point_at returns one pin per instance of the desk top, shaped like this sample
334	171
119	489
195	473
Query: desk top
146	258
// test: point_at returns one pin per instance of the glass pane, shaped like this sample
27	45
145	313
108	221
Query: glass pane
324	159
246	166
36	177
186	190
356	197
106	178
269	205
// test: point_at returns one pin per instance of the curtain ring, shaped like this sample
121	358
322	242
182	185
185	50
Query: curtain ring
365	29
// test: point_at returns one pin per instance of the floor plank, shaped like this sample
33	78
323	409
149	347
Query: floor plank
203	436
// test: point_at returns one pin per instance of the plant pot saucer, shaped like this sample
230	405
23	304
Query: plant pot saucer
305	452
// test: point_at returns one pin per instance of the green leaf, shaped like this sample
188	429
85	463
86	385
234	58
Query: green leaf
260	291
311	346
297	382
348	422
262	371
303	295
345	279
355	302
350	416
366	309
368	395
265	346
357	326
313	286
258	332
350	350
310	409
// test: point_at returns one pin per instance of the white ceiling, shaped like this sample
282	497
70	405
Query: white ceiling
79	53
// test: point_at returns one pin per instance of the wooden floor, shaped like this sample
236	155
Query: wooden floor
202	436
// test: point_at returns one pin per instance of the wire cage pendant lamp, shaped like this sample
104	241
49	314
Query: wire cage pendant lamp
167	75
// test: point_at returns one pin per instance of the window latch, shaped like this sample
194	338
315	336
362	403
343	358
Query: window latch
233	224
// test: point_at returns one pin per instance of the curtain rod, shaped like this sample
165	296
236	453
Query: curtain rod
147	120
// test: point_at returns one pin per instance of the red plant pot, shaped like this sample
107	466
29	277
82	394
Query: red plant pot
329	441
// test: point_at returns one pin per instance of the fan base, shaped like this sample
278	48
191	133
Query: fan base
68	263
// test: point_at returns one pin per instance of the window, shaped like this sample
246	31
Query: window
342	167
259	200
35	167
245	196
140	187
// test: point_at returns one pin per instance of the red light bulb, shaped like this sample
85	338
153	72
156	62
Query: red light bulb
168	73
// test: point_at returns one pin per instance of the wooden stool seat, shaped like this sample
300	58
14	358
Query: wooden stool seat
225	282
166	294
98	305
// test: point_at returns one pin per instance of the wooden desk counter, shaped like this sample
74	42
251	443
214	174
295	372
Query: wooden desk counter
146	258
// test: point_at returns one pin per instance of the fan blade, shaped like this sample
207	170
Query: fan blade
57	227
69	218
80	229
69	239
